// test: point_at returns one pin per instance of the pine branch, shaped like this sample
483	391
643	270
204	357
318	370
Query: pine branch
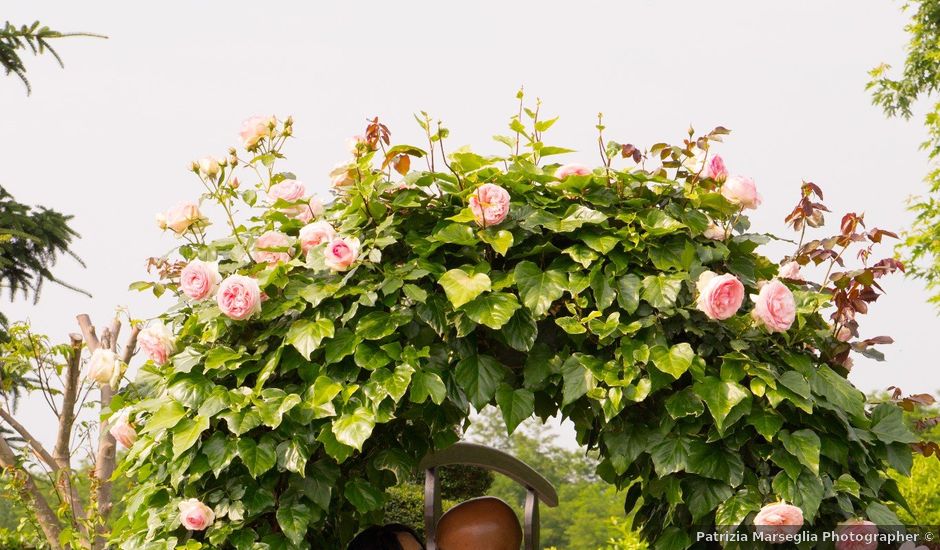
35	38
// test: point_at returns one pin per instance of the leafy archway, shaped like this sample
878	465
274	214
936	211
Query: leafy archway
317	352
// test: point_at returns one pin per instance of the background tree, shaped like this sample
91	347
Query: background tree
919	80
31	241
14	40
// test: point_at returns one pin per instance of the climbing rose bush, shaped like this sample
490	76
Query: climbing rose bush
320	350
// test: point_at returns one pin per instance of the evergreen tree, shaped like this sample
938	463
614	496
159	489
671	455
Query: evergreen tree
33	37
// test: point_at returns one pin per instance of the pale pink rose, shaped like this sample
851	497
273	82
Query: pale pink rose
857	535
489	204
791	270
199	279
741	190
239	297
104	367
182	217
720	296
157	342
288	190
778	521
315	233
774	306
122	430
208	166
194	515
254	129
572	170
715	232
343	175
161	220
270	248
715	169
306	212
341	253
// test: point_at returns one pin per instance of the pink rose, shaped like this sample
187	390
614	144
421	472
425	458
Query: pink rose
199	279
256	128
306	212
122	430
741	190
774	306
157	342
572	170
270	248
341	253
194	515
791	270
181	217
288	190
857	535
315	233
715	169
720	296
343	175
779	521
715	232
489	204
239	297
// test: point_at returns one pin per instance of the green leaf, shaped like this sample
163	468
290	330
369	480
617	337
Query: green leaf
364	496
720	396
479	376
806	492
836	390
671	454
461	287
766	422
354	429
628	292
493	310
571	325
846	484
521	331
241	421
187	433
600	242
661	291
379	324
881	514
274	403
684	403
672	538
370	357
500	240
305	335
733	511
219	451
257	457
538	289
578	380
604	293
342	344
705	495
426	384
887	423
293	519
676	254
516	405
716	462
658	223
804	445
319	397
292	455
673	361
455	233
166	417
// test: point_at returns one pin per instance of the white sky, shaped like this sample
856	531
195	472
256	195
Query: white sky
109	138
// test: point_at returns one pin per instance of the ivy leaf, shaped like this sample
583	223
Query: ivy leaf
479	376
516	405
305	335
604	293
628	292
167	416
186	433
293	519
661	291
716	462
671	454
887	423
493	310
806	492
733	511
319	397
219	451
426	384
342	344
847	484
521	331
578	380
766	422
673	361
538	289
804	445
274	403
500	240
720	396
658	223
257	457
705	495
354	429
461	287
241	421
379	324
363	495
292	455
684	403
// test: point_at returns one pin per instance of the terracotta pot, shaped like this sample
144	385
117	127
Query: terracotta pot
485	523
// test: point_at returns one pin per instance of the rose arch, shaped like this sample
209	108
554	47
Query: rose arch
318	351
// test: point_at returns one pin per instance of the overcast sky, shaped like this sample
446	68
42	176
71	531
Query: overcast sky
109	138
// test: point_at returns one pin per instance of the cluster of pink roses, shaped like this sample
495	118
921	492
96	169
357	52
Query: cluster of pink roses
305	208
238	296
721	296
780	522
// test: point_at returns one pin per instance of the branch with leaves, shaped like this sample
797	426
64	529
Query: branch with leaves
34	38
